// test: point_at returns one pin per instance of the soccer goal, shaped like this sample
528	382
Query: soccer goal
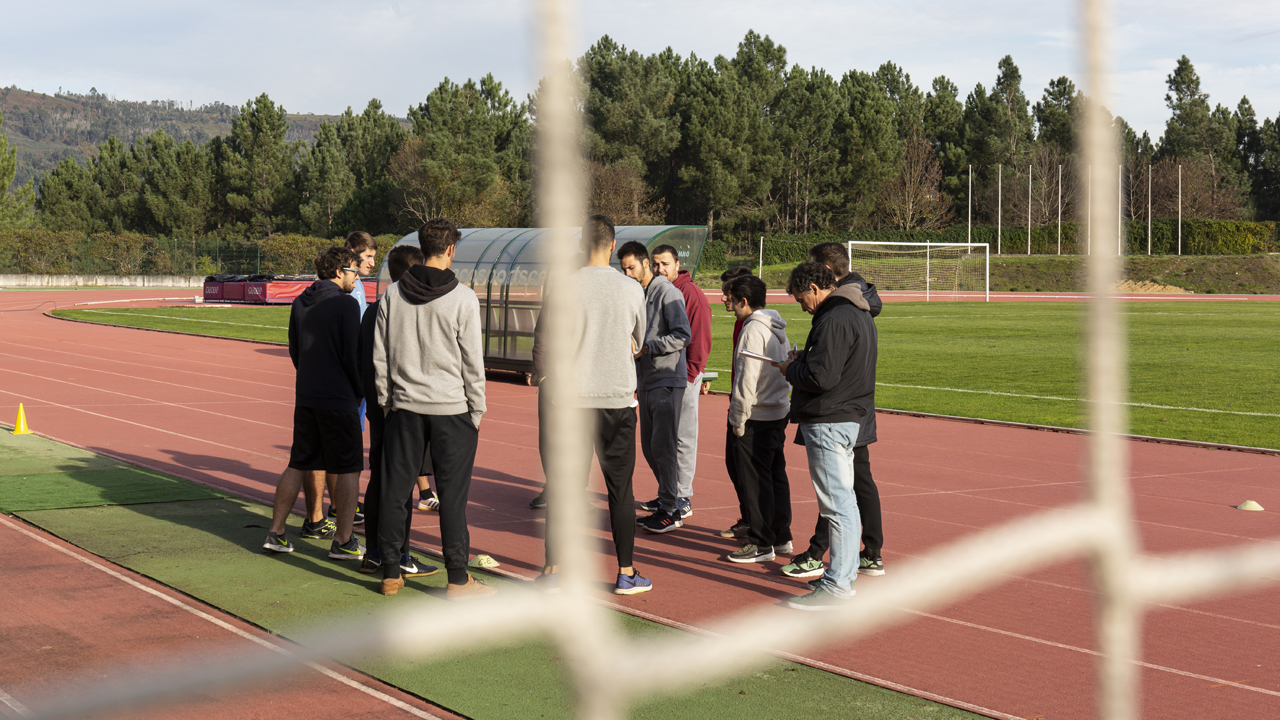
934	271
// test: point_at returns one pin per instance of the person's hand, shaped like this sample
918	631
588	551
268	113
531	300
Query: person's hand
644	350
793	355
782	366
738	431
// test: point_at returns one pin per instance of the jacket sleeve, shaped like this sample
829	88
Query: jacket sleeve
819	370
539	348
351	345
672	309
293	338
699	314
381	364
746	375
471	344
873	299
642	322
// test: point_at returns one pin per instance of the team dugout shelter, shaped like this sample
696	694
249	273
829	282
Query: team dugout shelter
507	269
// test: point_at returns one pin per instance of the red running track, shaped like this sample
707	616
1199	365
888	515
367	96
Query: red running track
218	412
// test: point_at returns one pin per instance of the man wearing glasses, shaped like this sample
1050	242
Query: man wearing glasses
324	337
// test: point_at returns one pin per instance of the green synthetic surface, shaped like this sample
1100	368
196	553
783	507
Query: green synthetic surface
39	474
1208	363
211	549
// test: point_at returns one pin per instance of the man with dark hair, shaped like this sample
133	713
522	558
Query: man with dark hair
608	321
739	527
324	337
758	407
809	563
429	370
661	374
666	262
832	382
399	260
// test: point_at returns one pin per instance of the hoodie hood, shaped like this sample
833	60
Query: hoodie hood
853	293
318	292
773	321
423	284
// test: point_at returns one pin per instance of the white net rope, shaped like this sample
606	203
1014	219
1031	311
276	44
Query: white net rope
610	672
944	270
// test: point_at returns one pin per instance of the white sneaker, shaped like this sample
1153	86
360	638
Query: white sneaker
783	549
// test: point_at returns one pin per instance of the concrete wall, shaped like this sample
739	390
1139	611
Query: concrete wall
173	281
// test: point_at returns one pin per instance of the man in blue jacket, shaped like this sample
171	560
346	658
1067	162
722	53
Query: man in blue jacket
324	338
661	381
833	384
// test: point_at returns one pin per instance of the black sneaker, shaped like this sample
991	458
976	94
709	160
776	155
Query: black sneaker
412	568
352	550
739	530
685	507
370	565
660	522
322	529
359	518
539	502
870	566
751	553
277	543
651	507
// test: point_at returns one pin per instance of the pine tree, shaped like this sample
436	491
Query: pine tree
257	167
67	192
1057	114
869	147
16	203
326	183
944	128
175	185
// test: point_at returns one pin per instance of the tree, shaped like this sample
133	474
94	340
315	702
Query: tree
805	117
908	102
16	203
118	203
913	199
867	138
325	182
176	198
66	194
257	167
1057	114
944	127
628	106
370	140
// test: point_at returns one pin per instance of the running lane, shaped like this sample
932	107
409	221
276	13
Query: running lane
218	412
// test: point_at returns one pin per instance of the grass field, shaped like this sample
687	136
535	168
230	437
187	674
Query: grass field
1198	371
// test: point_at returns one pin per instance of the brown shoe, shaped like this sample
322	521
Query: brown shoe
390	586
474	589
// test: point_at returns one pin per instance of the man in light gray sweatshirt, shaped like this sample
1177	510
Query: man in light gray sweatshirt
661	380
429	367
607	321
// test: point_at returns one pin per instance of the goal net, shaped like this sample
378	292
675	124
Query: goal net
932	271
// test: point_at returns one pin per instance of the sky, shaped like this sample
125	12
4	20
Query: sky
321	56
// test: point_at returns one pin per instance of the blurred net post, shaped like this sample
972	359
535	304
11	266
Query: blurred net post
1119	619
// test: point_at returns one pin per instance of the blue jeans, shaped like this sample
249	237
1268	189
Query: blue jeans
829	448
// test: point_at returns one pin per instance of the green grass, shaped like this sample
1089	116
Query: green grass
210	550
1201	357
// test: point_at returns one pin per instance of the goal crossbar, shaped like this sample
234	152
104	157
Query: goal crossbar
925	249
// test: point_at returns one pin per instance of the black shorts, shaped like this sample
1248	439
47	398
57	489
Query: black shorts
328	440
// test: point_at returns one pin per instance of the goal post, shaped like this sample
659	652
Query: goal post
935	271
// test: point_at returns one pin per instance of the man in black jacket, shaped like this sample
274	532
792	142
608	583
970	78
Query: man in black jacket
809	563
833	385
324	335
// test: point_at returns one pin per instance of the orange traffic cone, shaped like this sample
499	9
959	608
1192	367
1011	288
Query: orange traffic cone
20	425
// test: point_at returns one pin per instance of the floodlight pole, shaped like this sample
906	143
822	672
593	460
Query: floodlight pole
1088	213
1028	211
926	272
760	272
1059	209
970	235
1179	209
1148	208
1120	209
999	208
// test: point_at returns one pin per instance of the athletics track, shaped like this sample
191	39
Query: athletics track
218	412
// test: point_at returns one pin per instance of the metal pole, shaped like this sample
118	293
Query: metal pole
1028	210
926	272
1059	209
1179	209
970	237
761	271
1088	223
1120	209
999	208
1148	208
987	252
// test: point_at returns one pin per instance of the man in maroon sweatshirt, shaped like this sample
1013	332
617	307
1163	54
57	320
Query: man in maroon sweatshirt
666	262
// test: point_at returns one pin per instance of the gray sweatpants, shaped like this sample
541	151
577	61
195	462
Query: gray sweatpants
659	428
687	440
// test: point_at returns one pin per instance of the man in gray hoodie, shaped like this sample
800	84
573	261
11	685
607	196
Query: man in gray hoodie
661	380
429	371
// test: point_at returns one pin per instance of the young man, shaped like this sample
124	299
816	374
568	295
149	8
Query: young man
666	262
809	563
758	408
609	321
429	367
324	337
832	382
739	528
399	260
661	374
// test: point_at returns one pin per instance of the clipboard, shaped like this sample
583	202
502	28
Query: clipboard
757	356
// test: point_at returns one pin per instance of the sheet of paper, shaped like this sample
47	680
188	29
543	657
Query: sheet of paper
757	356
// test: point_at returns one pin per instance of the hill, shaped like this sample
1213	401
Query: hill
45	129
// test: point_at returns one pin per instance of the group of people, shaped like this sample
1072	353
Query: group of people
639	342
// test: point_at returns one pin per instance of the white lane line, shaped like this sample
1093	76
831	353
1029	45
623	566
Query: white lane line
237	418
1069	399
138	424
224	625
108	351
176	317
143	377
1095	653
17	707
